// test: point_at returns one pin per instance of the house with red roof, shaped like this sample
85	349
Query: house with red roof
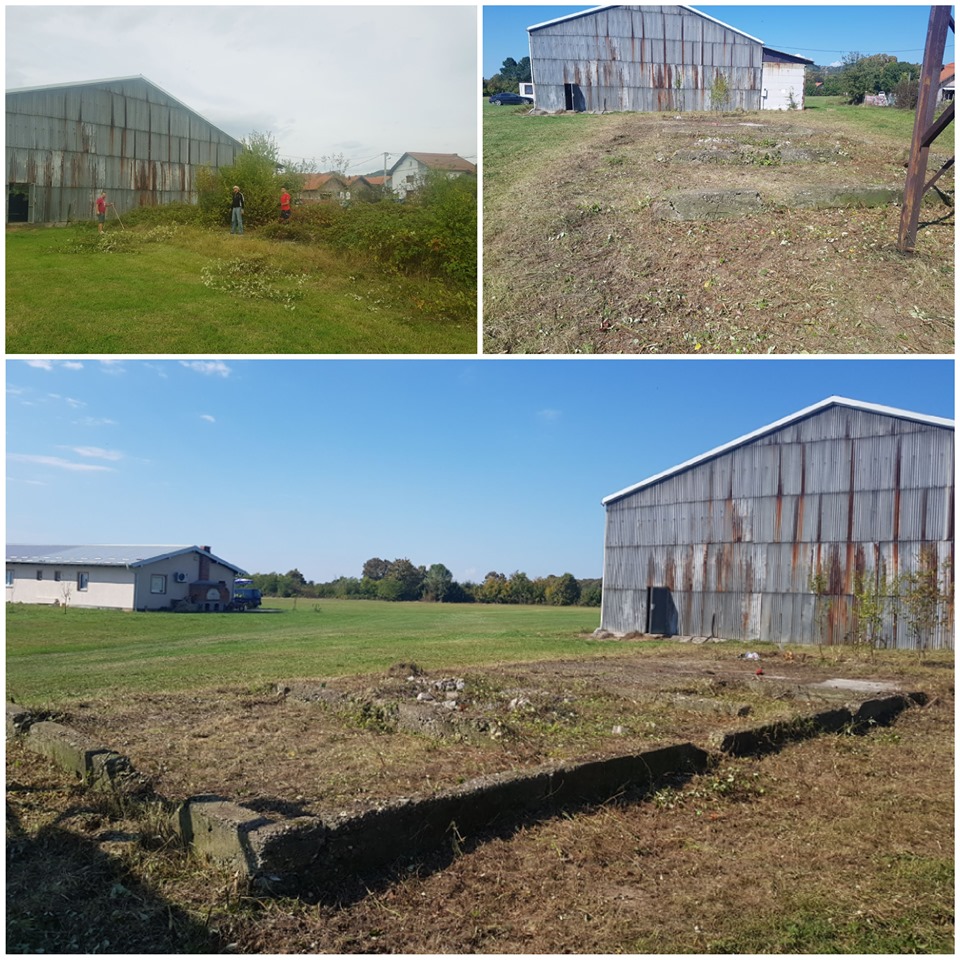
411	170
946	82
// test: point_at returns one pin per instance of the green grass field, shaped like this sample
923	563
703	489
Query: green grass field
54	655
149	297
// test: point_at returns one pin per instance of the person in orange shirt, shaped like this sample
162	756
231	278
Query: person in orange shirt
285	204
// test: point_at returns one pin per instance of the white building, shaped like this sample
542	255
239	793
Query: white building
120	577
410	171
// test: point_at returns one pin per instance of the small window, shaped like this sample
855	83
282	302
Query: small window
158	583
39	574
82	580
56	575
9	577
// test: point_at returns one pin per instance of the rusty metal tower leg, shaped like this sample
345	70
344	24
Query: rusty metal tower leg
924	129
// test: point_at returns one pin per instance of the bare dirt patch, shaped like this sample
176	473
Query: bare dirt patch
576	261
321	747
840	844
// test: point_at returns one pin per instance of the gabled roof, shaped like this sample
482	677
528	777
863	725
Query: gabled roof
947	73
614	6
440	161
772	428
105	555
138	77
314	181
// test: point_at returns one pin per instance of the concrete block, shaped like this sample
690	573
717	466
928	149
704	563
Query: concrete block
18	720
710	205
841	197
217	828
771	736
880	710
68	748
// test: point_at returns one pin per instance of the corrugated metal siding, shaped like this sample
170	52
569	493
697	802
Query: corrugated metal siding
737	539
125	137
643	58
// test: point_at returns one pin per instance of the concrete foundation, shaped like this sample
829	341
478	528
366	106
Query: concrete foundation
282	855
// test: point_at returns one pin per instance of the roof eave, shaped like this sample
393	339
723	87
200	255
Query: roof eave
613	6
773	427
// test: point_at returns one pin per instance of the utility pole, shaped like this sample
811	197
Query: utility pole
385	174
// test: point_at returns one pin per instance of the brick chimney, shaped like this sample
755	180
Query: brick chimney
204	564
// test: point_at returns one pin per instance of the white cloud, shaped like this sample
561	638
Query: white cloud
113	367
76	404
97	453
39	364
72	365
549	415
95	422
57	462
208	418
209	368
49	365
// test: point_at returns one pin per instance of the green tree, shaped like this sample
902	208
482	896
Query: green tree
260	174
409	577
375	568
564	591
437	582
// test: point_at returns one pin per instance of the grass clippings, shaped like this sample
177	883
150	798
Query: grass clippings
575	260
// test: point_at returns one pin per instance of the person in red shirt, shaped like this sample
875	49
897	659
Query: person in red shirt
101	210
285	204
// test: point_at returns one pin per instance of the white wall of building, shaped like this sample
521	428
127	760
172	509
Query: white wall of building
779	81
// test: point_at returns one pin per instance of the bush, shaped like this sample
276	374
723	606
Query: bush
163	214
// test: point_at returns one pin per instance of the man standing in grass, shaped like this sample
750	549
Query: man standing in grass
101	210
285	205
236	214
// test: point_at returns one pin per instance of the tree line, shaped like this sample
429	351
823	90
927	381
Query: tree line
508	80
858	76
400	580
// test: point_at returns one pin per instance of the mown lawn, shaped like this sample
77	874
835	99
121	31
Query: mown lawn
577	259
147	295
55	655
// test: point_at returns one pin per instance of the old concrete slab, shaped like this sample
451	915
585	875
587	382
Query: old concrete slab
840	197
707	205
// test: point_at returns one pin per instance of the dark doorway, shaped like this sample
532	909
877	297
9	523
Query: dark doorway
573	98
662	616
18	203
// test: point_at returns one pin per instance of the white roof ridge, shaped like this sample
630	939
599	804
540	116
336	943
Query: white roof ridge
834	401
613	6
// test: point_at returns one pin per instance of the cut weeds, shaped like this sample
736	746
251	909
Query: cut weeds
575	260
836	844
188	289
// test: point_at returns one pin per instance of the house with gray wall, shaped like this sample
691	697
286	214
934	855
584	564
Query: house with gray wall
121	577
655	58
772	536
66	143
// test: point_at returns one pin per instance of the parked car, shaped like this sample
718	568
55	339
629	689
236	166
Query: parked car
499	99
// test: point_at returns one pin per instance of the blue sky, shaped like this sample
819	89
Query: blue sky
479	464
822	33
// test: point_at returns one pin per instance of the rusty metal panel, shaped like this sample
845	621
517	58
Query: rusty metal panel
738	538
642	58
125	136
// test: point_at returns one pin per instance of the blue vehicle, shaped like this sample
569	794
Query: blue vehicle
499	99
245	596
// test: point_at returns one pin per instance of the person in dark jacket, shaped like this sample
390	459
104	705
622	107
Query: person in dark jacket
236	214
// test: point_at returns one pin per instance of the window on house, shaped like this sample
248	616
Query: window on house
158	583
56	575
82	580
39	574
9	578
